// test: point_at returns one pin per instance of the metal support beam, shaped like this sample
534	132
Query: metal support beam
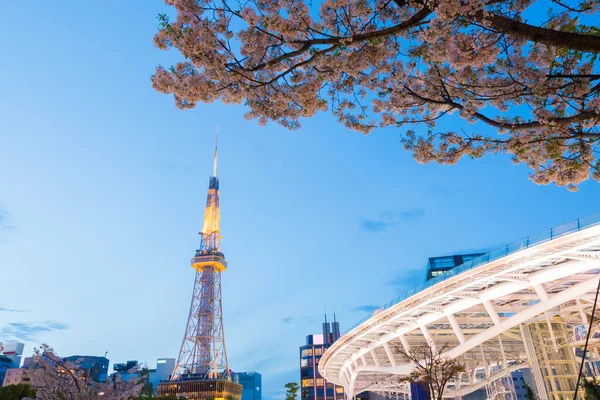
404	342
552	336
375	359
582	313
428	338
540	291
389	353
491	312
456	328
504	360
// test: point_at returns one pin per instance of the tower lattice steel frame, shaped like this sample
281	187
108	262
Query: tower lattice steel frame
202	370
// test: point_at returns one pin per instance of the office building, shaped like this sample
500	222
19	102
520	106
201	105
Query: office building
520	378
125	370
251	384
162	372
12	350
5	365
10	357
312	385
94	367
14	376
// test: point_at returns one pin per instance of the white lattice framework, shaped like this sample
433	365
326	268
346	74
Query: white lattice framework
477	315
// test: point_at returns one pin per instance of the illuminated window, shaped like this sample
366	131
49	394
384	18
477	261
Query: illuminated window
318	351
307	382
339	389
319	381
307	352
304	363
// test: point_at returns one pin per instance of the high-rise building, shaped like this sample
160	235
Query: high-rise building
5	364
520	378
12	350
335	330
331	330
10	357
202	370
94	367
163	371
439	265
312	385
251	383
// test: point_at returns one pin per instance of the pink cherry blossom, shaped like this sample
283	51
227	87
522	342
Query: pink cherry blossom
528	83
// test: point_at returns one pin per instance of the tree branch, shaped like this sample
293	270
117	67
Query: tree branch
550	37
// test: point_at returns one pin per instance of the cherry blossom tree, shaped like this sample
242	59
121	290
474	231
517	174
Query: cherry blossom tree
57	379
525	72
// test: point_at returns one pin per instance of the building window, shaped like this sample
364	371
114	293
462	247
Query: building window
442	262
307	352
307	382
319	381
339	389
318	351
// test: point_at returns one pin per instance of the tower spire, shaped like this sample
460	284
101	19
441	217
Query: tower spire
216	154
211	230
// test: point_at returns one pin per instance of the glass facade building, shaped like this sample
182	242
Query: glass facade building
10	357
5	364
251	384
438	265
312	385
95	368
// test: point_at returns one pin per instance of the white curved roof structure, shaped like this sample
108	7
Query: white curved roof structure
475	312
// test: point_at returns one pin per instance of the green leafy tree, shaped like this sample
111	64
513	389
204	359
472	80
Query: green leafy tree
529	393
291	390
17	392
147	388
591	389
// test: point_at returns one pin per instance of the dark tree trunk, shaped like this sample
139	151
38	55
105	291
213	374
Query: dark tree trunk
550	37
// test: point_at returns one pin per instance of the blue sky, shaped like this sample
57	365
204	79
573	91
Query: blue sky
103	182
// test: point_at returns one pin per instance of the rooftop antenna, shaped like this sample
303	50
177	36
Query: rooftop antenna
216	153
325	314
333	314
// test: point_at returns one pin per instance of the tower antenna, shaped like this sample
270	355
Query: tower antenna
216	153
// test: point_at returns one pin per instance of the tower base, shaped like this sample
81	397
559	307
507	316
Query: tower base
213	389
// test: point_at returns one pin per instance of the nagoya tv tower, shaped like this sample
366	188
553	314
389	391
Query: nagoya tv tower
202	371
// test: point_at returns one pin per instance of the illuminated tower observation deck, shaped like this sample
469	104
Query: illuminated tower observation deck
202	371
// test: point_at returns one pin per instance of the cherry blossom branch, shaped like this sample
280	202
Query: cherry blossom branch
551	37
